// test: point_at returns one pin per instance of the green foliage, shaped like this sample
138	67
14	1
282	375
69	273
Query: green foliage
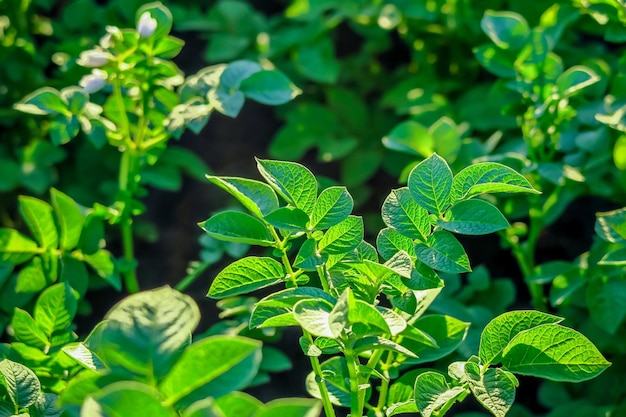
346	317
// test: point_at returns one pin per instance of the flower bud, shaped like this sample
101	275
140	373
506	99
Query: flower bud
146	25
94	81
93	58
112	36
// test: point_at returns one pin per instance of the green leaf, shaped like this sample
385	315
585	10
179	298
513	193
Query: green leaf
38	217
255	196
274	360
488	177
501	330
308	257
27	331
226	101
430	183
495	60
288	218
238	404
116	399
70	218
473	217
21	384
553	352
55	309
269	87
342	237
294	182
333	205
494	388
375	343
619	153
402	213
335	377
212	367
46	406
606	300
447	332
291	407
145	332
316	60
610	225
15	248
443	252
389	242
23	286
508	30
314	317
616	258
410	137
574	80
43	101
168	47
246	275
235	226
81	354
433	395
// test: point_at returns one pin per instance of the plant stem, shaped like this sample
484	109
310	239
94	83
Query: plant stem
189	279
319	379
356	409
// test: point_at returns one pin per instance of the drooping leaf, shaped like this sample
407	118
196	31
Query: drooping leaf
430	183
87	358
38	217
212	367
553	352
434	396
488	177
342	237
70	219
21	384
498	332
255	196
246	275
292	181
473	217
410	137
443	252
234	226
402	213
333	205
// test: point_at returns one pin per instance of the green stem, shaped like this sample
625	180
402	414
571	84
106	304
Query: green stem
319	379
189	279
356	408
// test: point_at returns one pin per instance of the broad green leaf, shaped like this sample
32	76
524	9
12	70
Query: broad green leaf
23	286
616	258
205	408
255	196
473	217
508	30
430	183
21	384
269	87
83	355
26	330
611	225
308	257
495	60
433	395
493	388
103	263
291	407
309	348
212	367
288	218
226	101
234	226
375	343
410	137
447	332
55	309
292	181
274	360
575	79
117	399
553	352
314	317
289	297
75	273
443	252
69	217
146	332
246	275
401	394
389	242
402	213
316	60
264	316
43	101
420	336
342	237
488	177
501	330
333	205
46	406
238	404
335	376
38	217
606	300
237	71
